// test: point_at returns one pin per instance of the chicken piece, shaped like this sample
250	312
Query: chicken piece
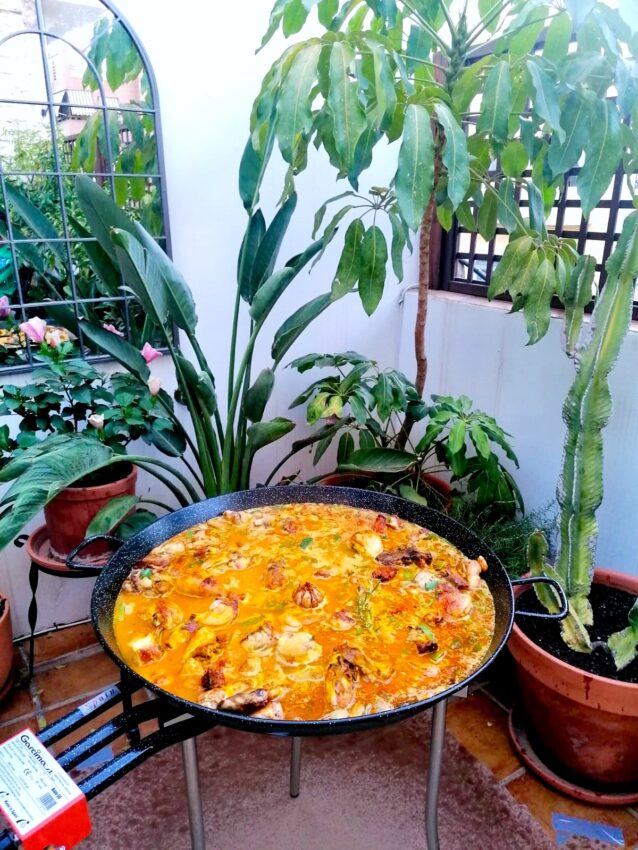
289	526
246	702
424	640
206	643
236	517
409	555
474	570
367	543
307	595
374	670
393	522
211	699
275	575
146	649
384	574
213	676
237	561
342	676
379	524
457	580
382	704
193	585
337	714
166	615
272	711
147	581
456	603
297	648
261	641
221	612
343	620
260	520
159	558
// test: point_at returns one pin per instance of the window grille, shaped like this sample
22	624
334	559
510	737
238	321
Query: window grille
77	95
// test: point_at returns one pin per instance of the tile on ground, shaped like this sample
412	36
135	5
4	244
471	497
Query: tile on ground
543	802
481	727
87	675
61	642
12	729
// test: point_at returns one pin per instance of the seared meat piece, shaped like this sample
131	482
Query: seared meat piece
474	570
457	580
367	543
379	525
273	711
297	649
246	702
409	555
384	574
211	699
289	526
455	602
275	575
261	641
146	649
167	615
423	647
147	581
307	595
220	613
196	586
344	620
214	676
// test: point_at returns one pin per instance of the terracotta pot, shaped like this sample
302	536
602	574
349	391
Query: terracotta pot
586	724
6	652
361	479
69	514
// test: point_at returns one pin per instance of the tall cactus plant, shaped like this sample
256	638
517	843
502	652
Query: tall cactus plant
586	411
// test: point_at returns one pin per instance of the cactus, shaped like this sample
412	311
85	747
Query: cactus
586	411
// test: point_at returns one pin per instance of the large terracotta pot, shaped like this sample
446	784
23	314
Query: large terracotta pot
586	723
69	514
361	479
6	652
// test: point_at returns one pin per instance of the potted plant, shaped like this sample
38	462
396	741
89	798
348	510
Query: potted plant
68	397
585	676
6	648
364	406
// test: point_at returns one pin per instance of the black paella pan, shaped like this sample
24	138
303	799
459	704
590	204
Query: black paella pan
113	574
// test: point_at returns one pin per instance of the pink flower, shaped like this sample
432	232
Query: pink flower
34	329
96	420
113	330
149	353
5	312
153	385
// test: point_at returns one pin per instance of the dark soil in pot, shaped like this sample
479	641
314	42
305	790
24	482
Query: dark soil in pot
611	607
108	475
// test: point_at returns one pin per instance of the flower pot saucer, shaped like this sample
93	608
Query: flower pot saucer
39	550
530	756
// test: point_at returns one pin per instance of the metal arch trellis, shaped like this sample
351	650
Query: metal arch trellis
59	173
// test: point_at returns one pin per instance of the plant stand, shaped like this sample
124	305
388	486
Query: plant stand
42	561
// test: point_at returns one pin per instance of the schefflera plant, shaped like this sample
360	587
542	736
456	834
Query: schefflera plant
586	411
453	90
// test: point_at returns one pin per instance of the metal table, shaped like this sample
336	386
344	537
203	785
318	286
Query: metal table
176	727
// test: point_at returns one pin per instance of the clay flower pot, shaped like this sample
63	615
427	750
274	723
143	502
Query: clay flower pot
361	480
6	651
69	514
588	724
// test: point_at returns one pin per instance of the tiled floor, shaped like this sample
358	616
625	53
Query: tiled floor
71	667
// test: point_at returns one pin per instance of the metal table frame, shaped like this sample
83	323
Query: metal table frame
176	727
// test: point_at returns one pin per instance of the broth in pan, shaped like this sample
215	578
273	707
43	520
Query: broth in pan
305	611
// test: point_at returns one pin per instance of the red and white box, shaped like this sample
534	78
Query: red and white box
42	804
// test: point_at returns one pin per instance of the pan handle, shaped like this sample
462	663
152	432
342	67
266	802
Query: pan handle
79	565
559	615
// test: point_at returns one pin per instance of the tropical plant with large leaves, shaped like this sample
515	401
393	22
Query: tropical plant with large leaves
216	447
479	118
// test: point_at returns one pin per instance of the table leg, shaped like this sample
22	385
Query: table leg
32	614
193	795
434	775
295	766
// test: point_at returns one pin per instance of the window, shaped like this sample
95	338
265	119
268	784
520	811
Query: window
77	95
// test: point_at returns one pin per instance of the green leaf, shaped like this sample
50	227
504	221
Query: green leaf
111	515
250	171
487	216
345	447
456	437
374	256
545	104
604	150
537	308
294	113
575	118
497	103
268	249
349	266
117	348
407	491
294	17
326	10
296	324
506	208
398	246
414	179
579	10
455	156
514	159
386	98
269	292
36	220
261	434
557	39
379	460
536	208
102	213
255	230
480	440
347	114
256	397
490	15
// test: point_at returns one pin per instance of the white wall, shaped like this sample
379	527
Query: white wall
478	349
